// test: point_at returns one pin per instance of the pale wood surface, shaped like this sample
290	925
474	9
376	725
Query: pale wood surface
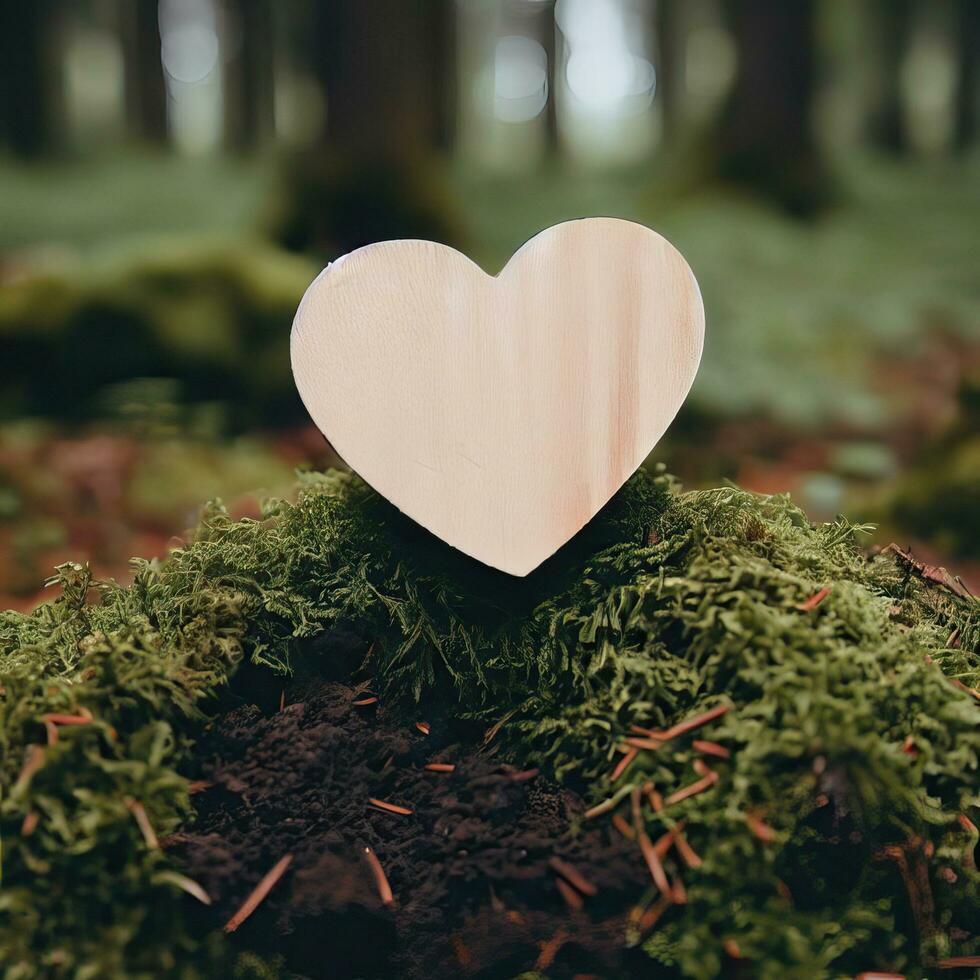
501	413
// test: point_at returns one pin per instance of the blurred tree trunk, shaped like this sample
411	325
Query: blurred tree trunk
967	43
764	139
30	77
386	68
667	60
387	71
249	80
146	88
545	34
893	20
445	80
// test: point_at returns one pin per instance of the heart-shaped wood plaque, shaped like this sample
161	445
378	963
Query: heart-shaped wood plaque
501	412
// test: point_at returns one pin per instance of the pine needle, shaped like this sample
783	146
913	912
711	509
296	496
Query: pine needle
380	878
259	893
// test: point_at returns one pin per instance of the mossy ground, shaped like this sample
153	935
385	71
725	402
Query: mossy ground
837	837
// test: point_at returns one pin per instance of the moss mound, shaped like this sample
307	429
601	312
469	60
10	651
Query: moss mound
936	499
209	316
835	837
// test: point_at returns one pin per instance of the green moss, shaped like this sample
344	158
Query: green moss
938	498
667	604
209	313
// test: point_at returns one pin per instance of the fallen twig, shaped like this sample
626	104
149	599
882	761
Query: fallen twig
380	878
930	573
549	950
403	811
623	764
760	828
972	691
808	605
911	859
655	800
571	874
650	744
647	732
652	915
731	948
679	893
663	844
571	897
697	721
623	827
706	782
65	719
969	860
33	760
494	729
688	855
711	748
259	893
654	863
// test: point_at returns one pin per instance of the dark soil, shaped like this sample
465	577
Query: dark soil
474	892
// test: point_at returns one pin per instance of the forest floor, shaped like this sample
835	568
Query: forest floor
837	357
104	496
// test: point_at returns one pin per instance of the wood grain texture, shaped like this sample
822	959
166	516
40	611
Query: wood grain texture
503	412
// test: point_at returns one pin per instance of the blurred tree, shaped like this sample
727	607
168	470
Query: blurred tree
30	76
763	138
388	75
968	48
145	86
248	91
444	55
668	56
544	32
887	129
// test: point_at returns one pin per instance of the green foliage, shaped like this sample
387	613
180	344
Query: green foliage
111	200
210	314
82	894
834	304
937	498
667	604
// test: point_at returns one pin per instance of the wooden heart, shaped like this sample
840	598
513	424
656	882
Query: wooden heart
503	412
